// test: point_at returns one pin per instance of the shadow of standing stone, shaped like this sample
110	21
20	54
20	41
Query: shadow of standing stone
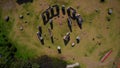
52	40
51	23
69	24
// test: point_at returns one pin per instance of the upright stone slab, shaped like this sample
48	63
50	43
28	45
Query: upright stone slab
110	11
42	40
78	39
73	44
44	17
39	34
52	12
63	9
74	15
48	14
21	16
40	29
7	18
79	21
59	49
66	38
56	7
71	13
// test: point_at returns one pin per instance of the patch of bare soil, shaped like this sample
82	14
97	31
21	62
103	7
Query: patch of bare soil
93	64
6	5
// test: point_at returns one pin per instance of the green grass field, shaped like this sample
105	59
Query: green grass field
88	52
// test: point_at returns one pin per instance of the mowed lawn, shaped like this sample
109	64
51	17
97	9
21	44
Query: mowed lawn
95	25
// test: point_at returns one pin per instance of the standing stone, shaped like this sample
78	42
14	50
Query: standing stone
110	11
40	29
74	14
21	28
68	34
44	17
63	9
52	12
55	10
79	20
42	40
58	10
66	38
59	49
7	18
48	14
68	11
71	12
21	16
39	34
78	39
73	44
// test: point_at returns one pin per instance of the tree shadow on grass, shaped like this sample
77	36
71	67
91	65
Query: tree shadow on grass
23	1
49	62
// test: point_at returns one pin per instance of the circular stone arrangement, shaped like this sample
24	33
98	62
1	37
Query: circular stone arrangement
54	11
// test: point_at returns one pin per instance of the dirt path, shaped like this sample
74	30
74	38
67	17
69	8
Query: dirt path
93	64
